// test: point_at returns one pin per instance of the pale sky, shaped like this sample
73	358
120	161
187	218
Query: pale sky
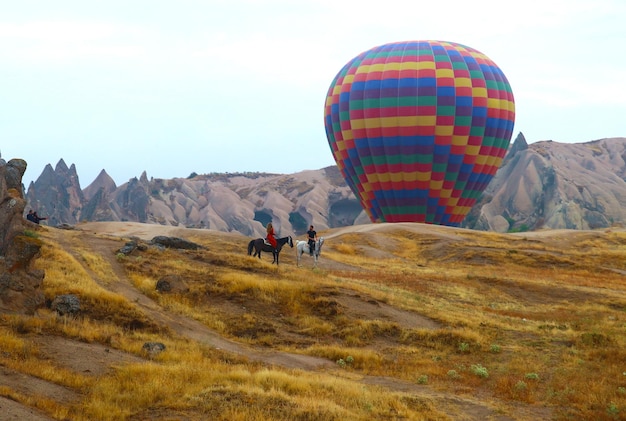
175	87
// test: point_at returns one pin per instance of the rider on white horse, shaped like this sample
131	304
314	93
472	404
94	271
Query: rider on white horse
312	238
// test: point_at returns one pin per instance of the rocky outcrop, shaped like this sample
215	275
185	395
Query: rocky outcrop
20	284
103	183
239	202
556	185
57	194
97	207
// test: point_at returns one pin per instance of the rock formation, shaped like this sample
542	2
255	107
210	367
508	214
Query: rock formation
555	185
540	185
97	195
56	194
20	284
240	202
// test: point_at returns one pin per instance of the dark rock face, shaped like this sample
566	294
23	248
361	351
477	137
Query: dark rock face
20	285
57	195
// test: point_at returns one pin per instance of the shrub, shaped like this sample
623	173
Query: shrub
613	409
464	347
343	363
480	371
532	376
31	233
595	340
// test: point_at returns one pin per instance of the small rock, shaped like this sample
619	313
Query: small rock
153	348
172	283
128	248
66	304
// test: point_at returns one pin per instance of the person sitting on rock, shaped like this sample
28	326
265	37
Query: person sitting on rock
33	217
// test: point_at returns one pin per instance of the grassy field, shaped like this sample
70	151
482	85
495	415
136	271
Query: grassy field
413	322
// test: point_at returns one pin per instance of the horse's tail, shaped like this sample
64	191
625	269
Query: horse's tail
250	246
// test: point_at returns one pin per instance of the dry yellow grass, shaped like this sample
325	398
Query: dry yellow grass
410	319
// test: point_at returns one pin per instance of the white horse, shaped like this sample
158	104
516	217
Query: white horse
303	247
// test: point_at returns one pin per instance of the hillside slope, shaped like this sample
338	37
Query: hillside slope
425	312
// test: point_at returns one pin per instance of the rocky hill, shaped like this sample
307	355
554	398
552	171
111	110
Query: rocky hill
555	185
542	185
241	202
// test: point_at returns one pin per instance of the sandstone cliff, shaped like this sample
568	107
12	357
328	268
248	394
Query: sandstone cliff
20	285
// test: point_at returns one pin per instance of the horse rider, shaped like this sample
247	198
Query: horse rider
271	239
312	238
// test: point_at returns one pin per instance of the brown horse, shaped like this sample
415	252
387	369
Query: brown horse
260	245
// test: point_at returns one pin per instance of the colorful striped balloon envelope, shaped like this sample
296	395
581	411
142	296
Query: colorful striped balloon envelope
419	129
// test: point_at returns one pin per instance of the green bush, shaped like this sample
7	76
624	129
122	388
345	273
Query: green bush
480	371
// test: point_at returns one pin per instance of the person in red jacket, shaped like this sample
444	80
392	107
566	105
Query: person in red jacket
270	235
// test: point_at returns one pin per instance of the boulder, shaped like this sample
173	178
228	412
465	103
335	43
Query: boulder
152	349
175	242
172	284
67	304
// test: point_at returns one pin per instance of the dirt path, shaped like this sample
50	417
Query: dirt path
14	411
185	326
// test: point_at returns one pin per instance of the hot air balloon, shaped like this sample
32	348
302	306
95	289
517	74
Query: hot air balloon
419	128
